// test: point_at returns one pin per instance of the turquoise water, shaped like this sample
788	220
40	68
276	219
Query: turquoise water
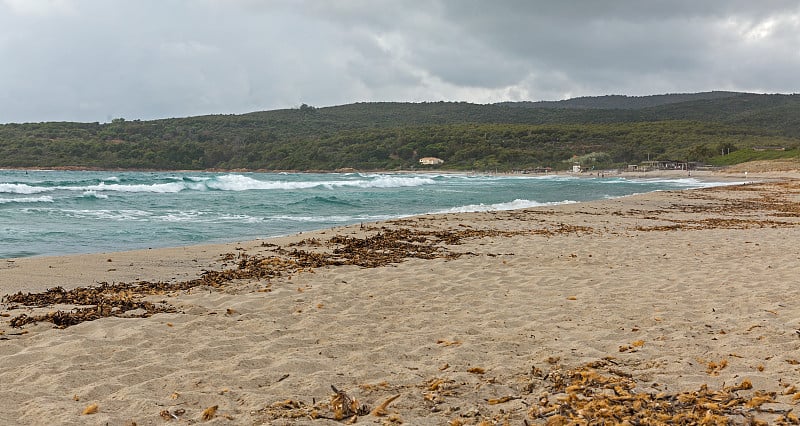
62	212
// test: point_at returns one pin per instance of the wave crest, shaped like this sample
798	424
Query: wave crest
42	199
512	205
21	188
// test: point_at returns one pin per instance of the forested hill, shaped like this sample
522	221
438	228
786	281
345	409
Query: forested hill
624	102
606	131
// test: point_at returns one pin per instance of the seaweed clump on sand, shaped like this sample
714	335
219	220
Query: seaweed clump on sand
387	246
89	303
586	395
128	300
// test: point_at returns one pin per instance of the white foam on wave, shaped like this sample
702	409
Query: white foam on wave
240	218
332	219
93	194
106	214
681	181
687	182
245	183
703	184
158	188
181	216
389	181
513	205
21	188
42	199
231	182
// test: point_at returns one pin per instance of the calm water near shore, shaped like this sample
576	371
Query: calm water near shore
63	212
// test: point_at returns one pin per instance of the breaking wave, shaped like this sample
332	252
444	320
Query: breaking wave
229	182
512	205
42	199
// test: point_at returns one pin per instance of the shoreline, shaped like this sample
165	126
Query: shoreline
152	256
704	176
658	294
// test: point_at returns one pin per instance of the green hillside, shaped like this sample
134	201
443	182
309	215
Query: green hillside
624	102
604	132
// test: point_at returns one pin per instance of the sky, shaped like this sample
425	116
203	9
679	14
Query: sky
94	60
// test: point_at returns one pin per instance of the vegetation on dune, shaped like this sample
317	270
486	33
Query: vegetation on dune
719	128
747	155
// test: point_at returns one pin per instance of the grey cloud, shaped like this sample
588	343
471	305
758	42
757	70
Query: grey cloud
92	59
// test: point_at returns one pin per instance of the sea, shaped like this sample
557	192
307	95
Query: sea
55	212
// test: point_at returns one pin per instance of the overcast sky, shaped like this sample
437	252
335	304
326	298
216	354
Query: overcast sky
93	60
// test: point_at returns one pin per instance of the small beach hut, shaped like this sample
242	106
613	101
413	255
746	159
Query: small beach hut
430	161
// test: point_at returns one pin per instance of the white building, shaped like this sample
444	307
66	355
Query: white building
431	161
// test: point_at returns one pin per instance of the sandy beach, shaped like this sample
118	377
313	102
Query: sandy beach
662	306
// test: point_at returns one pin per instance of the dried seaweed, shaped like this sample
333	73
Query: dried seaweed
586	395
341	407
